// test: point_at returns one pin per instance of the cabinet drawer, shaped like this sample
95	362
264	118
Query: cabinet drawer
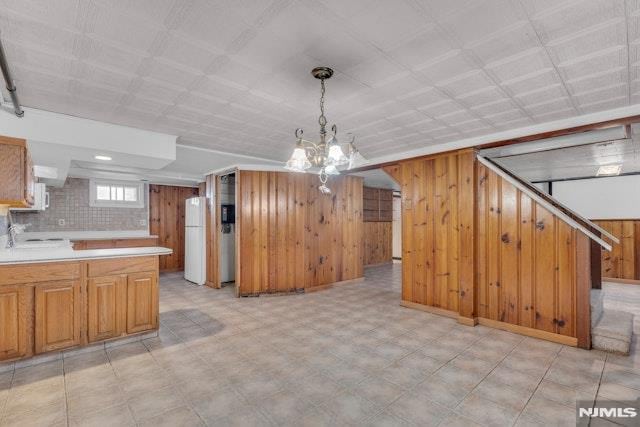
30	273
110	267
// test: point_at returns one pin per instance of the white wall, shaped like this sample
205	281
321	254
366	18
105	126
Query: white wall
601	198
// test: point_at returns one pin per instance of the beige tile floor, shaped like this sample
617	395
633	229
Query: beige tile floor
345	356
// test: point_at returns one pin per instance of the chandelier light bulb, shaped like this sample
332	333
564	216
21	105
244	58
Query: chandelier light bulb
324	155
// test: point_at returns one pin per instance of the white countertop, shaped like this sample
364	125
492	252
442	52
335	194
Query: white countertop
29	256
86	235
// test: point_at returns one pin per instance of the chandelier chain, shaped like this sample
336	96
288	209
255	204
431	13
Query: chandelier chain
322	120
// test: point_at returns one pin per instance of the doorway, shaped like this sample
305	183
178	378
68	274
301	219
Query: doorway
227	230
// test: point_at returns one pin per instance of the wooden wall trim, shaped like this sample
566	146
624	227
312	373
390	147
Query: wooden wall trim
212	231
583	290
523	330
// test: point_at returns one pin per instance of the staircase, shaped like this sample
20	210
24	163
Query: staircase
611	330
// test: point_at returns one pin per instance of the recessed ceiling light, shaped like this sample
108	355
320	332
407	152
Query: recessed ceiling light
609	170
102	157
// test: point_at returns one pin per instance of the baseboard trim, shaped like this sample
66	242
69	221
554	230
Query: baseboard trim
530	332
429	309
622	281
379	264
331	285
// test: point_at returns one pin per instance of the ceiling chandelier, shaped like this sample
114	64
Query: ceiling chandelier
328	154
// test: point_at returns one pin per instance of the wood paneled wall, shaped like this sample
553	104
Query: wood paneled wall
166	220
377	207
527	260
476	248
623	262
437	214
377	242
293	237
211	191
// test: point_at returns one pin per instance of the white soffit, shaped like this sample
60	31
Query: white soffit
411	77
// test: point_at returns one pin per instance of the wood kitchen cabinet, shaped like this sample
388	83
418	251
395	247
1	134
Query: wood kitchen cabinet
142	301
58	308
15	303
16	173
53	306
106	307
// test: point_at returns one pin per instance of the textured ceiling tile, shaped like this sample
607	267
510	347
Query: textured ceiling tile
567	21
386	24
447	67
599	94
441	108
549	105
588	83
494	107
123	30
154	89
62	12
480	19
463	84
481	97
168	72
235	75
513	41
523	64
599	39
540	95
597	61
527	83
421	49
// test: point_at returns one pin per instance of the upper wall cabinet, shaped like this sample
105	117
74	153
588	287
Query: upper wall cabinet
17	182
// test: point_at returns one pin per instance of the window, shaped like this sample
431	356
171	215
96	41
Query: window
116	194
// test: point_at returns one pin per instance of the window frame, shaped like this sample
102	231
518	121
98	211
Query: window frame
95	203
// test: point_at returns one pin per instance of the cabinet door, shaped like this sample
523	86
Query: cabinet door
58	308
107	307
14	319
142	302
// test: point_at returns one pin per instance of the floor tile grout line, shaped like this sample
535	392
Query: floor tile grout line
6	401
485	377
66	395
538	385
595	397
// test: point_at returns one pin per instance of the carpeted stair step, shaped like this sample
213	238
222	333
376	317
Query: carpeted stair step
612	332
597	306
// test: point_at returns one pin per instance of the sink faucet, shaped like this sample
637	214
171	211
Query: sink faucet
14	230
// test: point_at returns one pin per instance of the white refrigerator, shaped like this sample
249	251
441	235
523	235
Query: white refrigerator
195	245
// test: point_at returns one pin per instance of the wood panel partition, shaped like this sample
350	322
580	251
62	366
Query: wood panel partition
166	220
378	242
623	262
477	248
292	237
530	264
377	215
437	233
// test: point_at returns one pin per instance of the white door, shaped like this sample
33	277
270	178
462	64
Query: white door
194	255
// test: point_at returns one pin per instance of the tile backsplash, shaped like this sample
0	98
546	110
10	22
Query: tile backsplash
71	204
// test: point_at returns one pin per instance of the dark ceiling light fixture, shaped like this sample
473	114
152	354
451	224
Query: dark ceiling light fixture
328	154
11	86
